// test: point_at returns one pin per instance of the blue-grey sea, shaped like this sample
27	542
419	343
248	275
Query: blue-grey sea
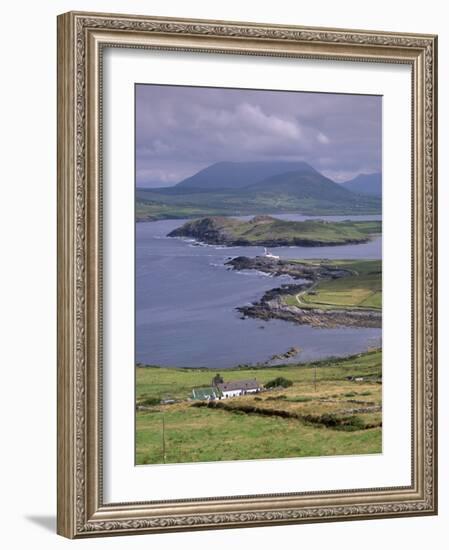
186	303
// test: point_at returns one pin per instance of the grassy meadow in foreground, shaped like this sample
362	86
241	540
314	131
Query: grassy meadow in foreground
331	408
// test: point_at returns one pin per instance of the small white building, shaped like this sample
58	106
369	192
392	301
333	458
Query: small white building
234	388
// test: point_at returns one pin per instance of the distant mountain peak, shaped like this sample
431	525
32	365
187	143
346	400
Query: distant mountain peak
234	175
367	184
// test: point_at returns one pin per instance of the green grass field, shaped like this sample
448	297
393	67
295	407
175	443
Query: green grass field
320	393
331	232
361	290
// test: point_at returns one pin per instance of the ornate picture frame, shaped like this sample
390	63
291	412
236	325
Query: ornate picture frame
82	39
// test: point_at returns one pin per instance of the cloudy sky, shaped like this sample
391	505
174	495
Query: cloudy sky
180	130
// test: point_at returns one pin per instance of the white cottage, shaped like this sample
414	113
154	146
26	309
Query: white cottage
234	388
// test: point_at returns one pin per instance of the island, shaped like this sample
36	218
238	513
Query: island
330	294
271	232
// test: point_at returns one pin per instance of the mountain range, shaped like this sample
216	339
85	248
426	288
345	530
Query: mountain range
237	188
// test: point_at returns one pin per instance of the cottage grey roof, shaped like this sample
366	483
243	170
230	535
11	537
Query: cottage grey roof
234	385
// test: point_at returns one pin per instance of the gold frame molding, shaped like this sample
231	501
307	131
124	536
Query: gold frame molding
81	38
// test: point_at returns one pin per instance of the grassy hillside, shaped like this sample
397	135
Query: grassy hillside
155	205
331	408
268	231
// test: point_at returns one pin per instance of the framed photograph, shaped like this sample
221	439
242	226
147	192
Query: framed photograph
246	274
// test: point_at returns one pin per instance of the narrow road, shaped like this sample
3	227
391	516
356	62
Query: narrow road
298	296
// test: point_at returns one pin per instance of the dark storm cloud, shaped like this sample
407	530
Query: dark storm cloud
180	130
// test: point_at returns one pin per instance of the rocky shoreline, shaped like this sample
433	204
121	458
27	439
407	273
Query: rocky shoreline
296	270
275	309
272	306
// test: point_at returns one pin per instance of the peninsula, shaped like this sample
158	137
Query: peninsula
330	294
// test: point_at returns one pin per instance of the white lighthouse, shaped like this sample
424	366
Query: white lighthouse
269	255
